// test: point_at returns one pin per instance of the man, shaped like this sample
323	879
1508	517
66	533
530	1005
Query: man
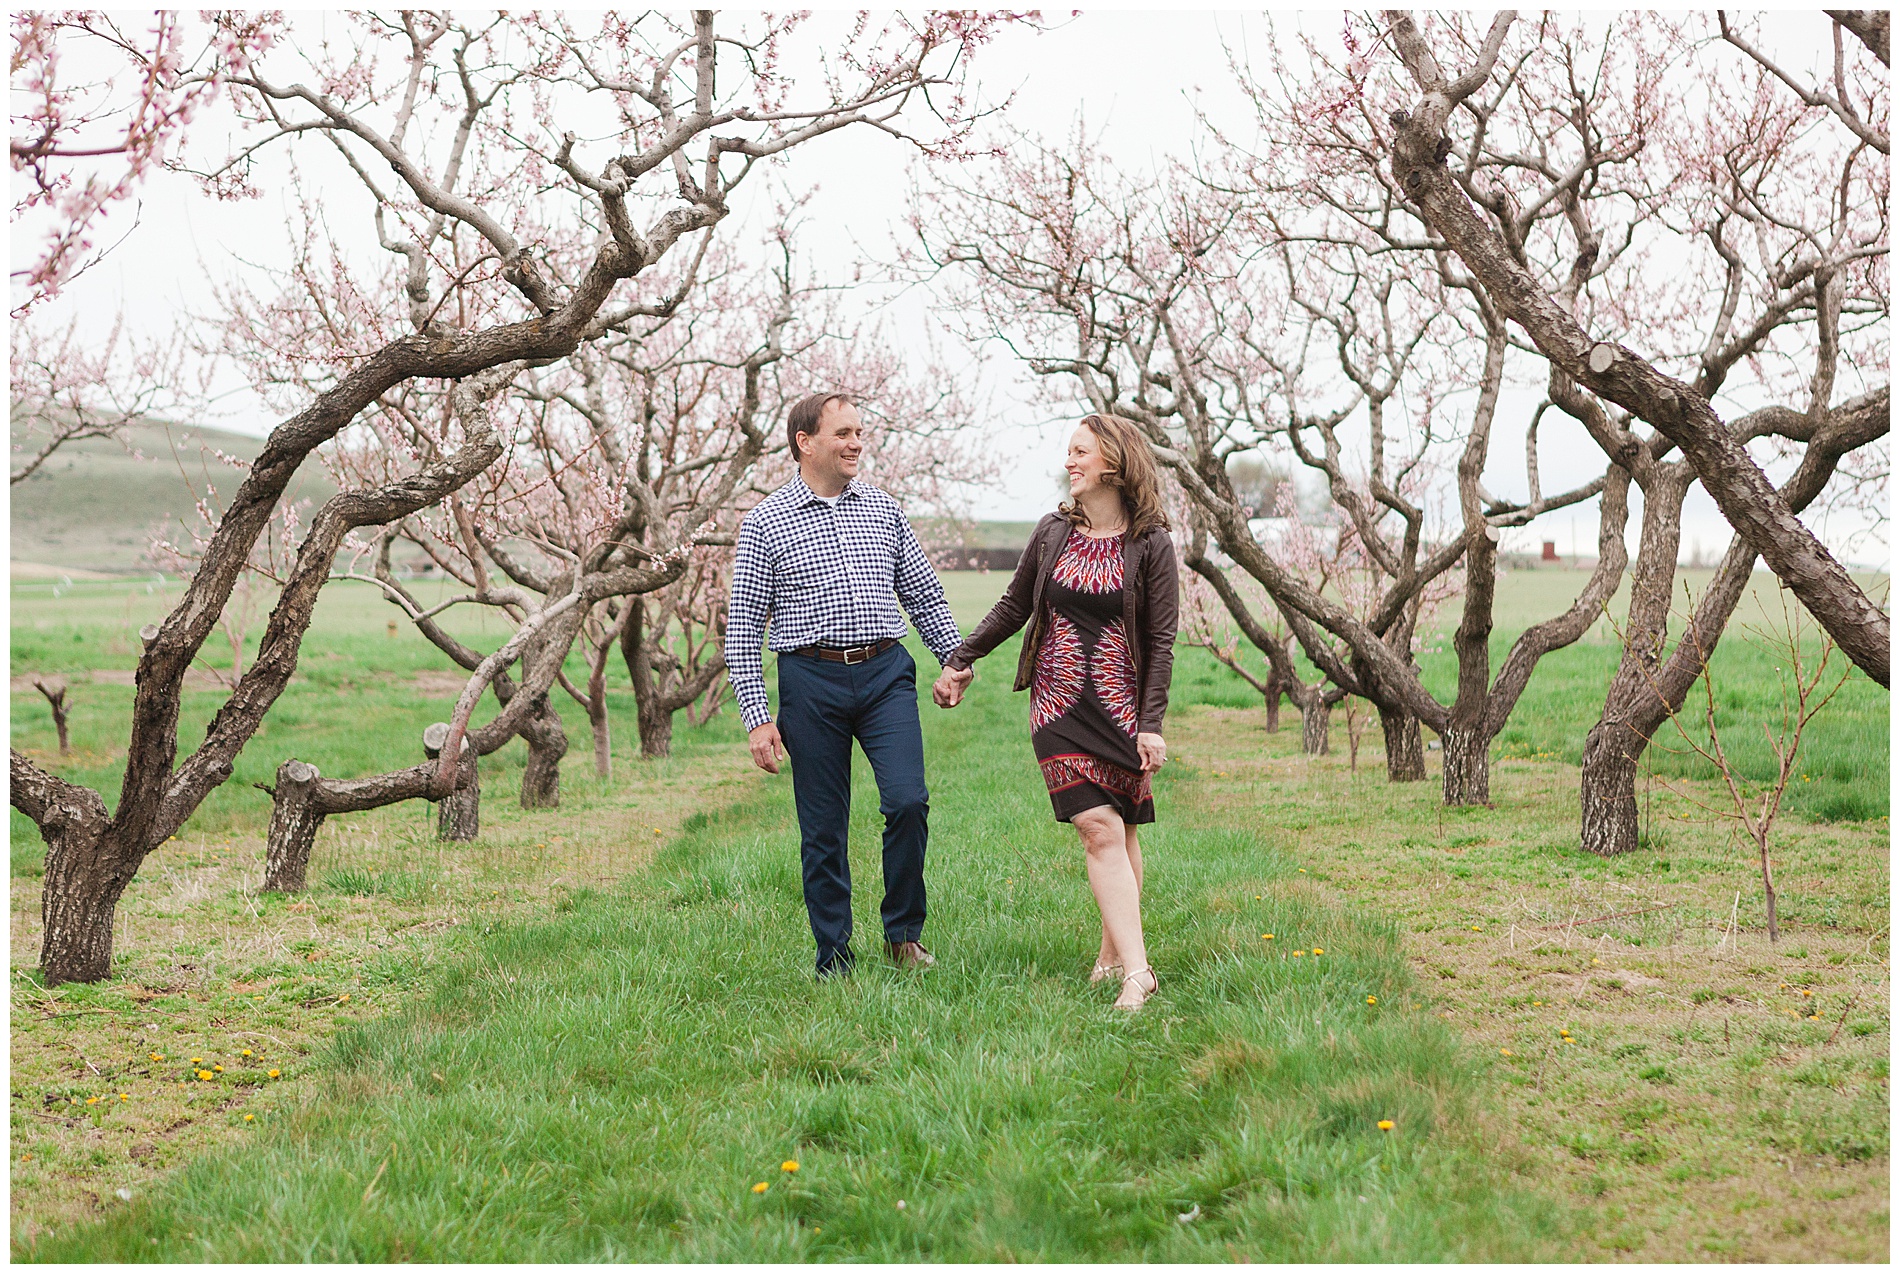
828	558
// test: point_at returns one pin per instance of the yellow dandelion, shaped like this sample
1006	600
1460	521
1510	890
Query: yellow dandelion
197	1061
1594	960
1537	1004
1256	897
1302	871
273	1073
760	1188
247	1052
1477	928
1267	936
125	1096
1814	1017
157	1057
204	1075
1319	950
92	1101
250	1118
218	1069
790	1165
1298	954
344	998
1386	1125
1507	1052
1806	994
1372	999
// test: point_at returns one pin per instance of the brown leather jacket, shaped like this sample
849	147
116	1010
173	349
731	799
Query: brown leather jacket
1150	611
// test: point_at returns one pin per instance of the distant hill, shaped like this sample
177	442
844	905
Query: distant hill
96	505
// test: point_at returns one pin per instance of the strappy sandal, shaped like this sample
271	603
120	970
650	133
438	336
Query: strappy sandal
1154	985
1102	972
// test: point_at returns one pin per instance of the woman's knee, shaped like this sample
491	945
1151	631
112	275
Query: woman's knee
1100	830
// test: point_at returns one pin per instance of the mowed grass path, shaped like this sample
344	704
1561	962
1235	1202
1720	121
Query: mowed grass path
616	1080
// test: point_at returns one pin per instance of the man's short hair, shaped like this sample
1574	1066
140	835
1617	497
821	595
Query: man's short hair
803	418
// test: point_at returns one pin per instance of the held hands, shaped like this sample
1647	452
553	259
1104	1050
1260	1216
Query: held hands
766	747
1153	750
948	692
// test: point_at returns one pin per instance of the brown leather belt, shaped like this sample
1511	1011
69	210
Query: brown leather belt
853	655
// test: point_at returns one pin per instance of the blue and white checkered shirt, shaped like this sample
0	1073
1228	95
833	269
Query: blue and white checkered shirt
826	575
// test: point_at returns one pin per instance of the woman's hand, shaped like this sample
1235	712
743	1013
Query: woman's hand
948	692
1153	750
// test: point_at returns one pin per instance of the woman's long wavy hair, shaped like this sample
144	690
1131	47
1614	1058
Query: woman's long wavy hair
1131	470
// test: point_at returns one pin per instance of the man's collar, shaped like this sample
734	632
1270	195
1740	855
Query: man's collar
802	494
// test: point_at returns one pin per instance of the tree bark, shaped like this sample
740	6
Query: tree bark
1316	720
55	692
458	815
1276	690
547	744
1467	766
294	820
1404	746
78	900
1608	789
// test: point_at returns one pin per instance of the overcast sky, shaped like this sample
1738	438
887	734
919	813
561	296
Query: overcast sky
1135	76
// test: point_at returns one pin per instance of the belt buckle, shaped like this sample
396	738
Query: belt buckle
866	651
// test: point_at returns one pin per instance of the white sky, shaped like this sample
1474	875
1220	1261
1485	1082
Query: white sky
1135	76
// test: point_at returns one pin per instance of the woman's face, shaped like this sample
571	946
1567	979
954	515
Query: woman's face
1085	464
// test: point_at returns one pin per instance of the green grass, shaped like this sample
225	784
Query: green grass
611	1082
1844	755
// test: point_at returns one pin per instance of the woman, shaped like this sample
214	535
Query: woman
1097	588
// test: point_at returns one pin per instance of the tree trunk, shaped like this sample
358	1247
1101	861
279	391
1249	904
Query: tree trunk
55	692
1768	889
77	901
603	739
1404	746
1276	688
1316	720
649	696
459	817
1610	824
87	868
656	732
294	820
547	744
1467	766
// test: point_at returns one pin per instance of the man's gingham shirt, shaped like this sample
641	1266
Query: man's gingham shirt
826	575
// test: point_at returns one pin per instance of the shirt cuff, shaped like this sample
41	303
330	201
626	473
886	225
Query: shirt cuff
754	716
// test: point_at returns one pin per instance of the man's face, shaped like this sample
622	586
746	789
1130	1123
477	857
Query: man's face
834	451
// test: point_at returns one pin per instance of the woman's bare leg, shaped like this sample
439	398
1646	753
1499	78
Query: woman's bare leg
1108	957
1112	880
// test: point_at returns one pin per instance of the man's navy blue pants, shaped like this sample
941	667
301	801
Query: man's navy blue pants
823	705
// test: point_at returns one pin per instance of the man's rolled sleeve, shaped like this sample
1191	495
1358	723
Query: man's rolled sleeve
746	611
921	592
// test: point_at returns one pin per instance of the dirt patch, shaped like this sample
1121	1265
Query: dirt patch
439	683
195	679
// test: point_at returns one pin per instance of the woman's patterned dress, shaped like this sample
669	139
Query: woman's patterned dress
1082	702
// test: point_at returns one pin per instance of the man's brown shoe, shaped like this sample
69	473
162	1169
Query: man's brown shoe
910	955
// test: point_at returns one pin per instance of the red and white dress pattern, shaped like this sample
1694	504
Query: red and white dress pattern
1061	668
1061	773
1090	566
1113	671
1085	701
